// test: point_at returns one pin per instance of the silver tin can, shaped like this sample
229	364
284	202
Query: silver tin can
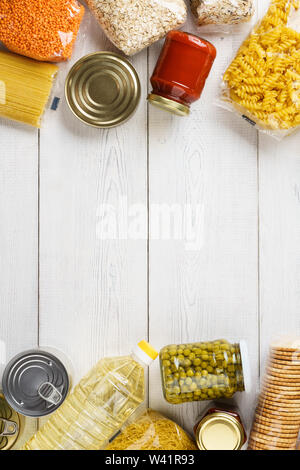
35	383
103	89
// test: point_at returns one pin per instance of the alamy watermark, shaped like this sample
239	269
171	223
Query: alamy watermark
177	222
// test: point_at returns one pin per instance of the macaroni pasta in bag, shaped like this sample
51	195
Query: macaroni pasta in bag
263	81
152	431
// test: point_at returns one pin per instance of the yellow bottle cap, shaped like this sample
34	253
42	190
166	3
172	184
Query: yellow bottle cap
148	349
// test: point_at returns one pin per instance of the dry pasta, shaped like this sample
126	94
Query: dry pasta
263	81
25	86
152	431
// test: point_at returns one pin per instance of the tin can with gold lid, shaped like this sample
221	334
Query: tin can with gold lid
103	89
9	425
220	429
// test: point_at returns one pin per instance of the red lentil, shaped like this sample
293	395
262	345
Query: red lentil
41	29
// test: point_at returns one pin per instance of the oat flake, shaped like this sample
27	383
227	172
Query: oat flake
133	25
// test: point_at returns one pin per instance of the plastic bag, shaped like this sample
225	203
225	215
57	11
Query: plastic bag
132	25
262	83
44	30
277	417
152	431
222	15
25	87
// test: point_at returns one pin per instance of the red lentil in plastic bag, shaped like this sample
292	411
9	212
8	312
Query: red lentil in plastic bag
44	30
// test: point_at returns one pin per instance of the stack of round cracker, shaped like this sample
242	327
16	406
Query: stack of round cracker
277	418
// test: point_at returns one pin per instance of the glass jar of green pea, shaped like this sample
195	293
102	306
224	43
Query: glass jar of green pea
203	371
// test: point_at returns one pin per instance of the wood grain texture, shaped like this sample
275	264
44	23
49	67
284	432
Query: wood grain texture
18	244
98	297
93	292
279	202
209	160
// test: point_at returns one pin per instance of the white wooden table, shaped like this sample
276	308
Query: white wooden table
63	285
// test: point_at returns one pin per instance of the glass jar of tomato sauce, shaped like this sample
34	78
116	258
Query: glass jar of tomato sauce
181	72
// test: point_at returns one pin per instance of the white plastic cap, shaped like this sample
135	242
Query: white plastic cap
246	366
145	352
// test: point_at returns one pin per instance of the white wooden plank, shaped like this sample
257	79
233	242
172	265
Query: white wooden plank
279	183
93	292
207	160
18	244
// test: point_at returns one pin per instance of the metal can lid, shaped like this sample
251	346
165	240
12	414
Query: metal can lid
220	431
9	425
35	383
169	105
103	89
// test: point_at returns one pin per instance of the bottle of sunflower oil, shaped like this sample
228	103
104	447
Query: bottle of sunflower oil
99	405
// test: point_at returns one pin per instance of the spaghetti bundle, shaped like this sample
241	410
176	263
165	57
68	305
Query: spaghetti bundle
152	431
25	87
263	81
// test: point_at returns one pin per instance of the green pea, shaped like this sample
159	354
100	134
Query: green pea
204	365
186	352
166	363
197	362
165	356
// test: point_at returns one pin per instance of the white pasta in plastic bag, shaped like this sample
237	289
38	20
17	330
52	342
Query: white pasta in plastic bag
222	12
132	25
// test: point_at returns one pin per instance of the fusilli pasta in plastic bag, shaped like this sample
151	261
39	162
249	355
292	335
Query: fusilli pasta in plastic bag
262	83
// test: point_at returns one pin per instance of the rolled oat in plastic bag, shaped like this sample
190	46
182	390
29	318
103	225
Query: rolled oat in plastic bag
262	84
132	25
277	417
152	431
222	15
44	30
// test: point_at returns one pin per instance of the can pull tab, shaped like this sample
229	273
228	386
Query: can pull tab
10	428
49	393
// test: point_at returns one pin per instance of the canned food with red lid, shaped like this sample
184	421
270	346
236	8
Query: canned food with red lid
220	428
